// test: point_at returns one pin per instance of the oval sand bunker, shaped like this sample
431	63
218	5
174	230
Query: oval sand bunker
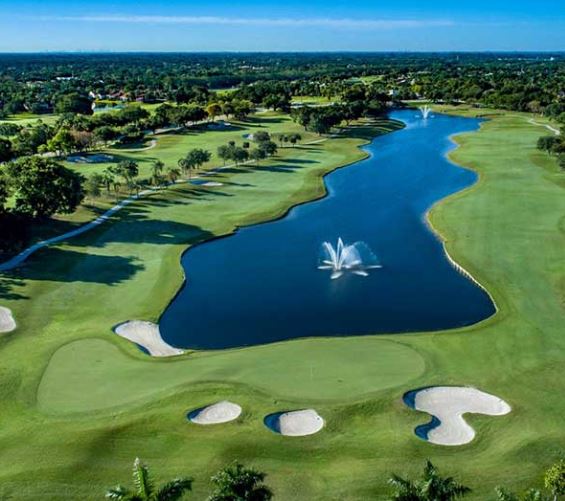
218	413
295	423
7	322
447	404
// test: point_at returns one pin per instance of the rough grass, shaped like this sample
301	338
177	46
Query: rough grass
113	404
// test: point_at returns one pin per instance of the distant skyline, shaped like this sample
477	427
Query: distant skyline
314	25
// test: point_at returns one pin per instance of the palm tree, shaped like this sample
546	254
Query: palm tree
237	483
157	170
107	179
184	165
431	487
145	491
173	173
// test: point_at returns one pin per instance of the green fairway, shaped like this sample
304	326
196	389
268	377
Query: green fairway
174	146
79	403
26	119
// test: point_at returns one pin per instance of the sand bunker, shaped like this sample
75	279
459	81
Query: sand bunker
295	423
203	182
147	335
221	412
447	404
7	322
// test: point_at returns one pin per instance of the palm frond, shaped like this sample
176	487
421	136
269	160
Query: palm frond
261	493
406	490
174	490
118	493
141	479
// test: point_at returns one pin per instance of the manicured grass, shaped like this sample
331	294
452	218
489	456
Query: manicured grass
313	100
172	147
31	119
335	372
169	149
507	230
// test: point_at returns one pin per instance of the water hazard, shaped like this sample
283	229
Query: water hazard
263	284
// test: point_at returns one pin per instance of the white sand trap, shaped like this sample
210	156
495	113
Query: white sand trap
147	335
211	184
448	404
295	423
218	413
7	322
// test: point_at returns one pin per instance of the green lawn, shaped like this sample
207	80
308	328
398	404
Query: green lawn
169	148
172	147
31	119
79	403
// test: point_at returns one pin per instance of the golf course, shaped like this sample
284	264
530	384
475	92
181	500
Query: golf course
79	402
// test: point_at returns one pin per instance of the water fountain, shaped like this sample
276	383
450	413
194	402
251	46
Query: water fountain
356	258
425	110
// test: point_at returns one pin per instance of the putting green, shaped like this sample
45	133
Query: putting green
76	379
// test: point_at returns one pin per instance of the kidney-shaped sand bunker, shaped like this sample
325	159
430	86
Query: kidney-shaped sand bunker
447	405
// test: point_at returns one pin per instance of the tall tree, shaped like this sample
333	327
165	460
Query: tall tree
157	171
240	155
127	169
269	147
73	103
92	185
42	187
238	483
195	159
213	110
173	174
4	192
225	152
146	491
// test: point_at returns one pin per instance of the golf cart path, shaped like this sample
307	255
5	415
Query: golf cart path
557	132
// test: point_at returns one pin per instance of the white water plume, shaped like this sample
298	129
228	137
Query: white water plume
356	258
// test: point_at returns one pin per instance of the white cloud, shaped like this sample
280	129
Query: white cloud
345	23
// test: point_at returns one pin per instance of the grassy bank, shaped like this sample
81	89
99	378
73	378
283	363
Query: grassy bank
80	404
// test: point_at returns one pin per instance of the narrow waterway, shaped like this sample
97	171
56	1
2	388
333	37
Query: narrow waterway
263	284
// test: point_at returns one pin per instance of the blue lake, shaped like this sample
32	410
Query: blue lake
262	284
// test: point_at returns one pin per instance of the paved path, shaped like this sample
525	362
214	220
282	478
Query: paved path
557	132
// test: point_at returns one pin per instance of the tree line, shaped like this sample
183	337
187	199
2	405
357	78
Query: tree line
70	83
239	483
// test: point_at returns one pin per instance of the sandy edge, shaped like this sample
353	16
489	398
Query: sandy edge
147	335
218	413
448	404
7	322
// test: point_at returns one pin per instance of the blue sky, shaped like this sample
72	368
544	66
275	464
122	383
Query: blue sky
289	25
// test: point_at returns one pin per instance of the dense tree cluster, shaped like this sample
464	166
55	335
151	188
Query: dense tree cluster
264	147
70	83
